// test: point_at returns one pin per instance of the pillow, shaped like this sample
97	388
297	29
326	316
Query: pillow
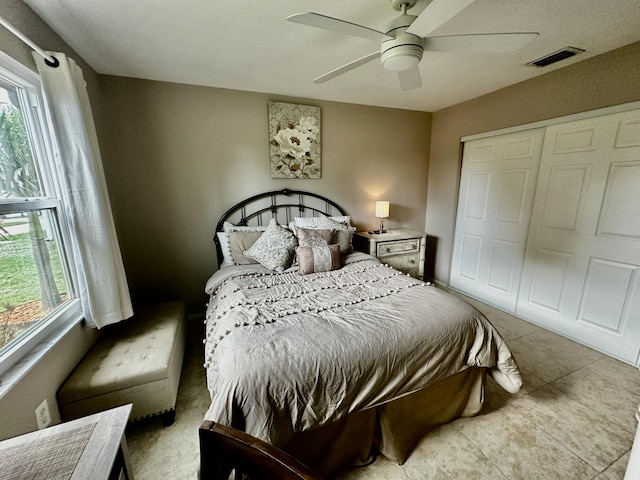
344	234
274	249
318	259
317	222
345	239
227	258
310	237
230	227
239	241
223	238
344	231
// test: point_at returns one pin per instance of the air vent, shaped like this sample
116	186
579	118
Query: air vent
554	57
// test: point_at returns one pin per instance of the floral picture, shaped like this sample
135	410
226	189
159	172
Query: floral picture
294	140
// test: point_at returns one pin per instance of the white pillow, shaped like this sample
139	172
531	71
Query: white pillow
227	259
319	222
230	227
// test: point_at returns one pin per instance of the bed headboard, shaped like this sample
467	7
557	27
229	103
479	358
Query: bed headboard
283	205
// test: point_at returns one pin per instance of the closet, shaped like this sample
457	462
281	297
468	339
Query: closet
548	228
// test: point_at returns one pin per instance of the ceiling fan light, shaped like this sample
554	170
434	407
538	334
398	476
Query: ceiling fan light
403	52
401	61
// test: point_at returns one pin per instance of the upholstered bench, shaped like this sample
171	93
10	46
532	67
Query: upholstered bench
137	361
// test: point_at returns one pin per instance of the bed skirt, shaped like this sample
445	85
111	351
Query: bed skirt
393	429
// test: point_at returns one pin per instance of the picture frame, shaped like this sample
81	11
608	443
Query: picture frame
294	140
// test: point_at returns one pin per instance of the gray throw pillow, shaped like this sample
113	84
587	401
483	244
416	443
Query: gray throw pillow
274	249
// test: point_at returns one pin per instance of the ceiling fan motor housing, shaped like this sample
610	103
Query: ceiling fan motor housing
404	50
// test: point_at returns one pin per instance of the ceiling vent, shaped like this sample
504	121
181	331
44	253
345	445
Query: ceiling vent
556	56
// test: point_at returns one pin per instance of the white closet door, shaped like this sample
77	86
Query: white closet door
582	263
494	207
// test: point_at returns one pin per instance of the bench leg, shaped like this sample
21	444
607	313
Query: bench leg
169	417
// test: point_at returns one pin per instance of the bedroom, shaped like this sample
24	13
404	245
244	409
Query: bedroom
164	180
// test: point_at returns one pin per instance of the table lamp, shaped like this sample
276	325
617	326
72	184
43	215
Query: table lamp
382	212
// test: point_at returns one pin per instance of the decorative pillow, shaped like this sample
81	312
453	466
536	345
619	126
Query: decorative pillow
344	231
274	249
239	241
310	237
344	234
318	222
318	259
223	238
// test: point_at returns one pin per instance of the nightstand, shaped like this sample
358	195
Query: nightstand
402	249
92	447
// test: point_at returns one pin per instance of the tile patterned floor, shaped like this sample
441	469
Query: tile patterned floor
574	419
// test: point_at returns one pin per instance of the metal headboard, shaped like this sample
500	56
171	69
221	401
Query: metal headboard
278	204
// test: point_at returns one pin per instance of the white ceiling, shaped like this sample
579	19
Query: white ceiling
248	44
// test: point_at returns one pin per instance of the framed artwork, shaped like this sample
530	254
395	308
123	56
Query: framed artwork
294	140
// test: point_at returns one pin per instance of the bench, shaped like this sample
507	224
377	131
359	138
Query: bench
136	361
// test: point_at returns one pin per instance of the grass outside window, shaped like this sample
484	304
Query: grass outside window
21	303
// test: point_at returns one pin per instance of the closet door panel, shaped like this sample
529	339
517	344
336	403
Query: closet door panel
494	206
605	302
580	275
503	258
470	255
549	281
620	217
565	198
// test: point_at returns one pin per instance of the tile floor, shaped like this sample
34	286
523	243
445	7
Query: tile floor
574	419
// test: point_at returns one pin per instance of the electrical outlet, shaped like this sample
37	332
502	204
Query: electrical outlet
42	415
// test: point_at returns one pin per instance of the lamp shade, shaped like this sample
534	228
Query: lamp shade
382	209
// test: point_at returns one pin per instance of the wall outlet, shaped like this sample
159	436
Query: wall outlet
42	415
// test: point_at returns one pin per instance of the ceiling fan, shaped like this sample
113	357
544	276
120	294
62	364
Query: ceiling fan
407	37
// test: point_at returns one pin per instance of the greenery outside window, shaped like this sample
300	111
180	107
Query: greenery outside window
37	296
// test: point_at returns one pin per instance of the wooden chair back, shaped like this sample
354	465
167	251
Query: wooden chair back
224	449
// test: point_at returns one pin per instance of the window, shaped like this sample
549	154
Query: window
37	296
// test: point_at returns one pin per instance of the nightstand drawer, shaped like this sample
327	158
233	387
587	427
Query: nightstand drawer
398	247
407	263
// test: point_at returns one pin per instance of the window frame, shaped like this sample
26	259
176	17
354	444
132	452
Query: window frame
42	141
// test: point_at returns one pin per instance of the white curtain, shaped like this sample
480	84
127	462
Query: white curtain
100	272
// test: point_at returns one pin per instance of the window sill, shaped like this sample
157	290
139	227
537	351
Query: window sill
18	370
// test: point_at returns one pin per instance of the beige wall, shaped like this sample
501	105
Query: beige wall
182	155
605	80
18	404
177	156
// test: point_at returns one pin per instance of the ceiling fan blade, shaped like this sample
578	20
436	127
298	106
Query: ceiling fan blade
437	13
345	68
410	79
479	43
336	25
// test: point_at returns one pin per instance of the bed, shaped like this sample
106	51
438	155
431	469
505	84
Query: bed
332	362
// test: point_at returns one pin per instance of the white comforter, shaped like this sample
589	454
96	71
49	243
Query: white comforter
288	352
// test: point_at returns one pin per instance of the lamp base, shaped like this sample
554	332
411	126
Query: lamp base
381	229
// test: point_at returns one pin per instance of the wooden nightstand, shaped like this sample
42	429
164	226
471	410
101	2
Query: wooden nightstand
403	249
92	447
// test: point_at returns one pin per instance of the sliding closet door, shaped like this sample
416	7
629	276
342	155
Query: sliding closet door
582	263
496	196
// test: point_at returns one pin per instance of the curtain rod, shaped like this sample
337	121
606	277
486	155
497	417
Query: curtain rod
49	59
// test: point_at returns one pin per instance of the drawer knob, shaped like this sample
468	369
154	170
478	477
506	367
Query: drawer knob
413	245
387	249
412	261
